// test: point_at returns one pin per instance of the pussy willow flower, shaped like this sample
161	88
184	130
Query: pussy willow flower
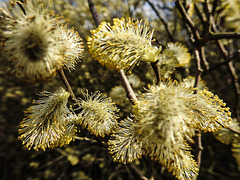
118	94
167	116
69	132
190	82
72	46
226	136
98	113
236	149
176	157
203	111
125	145
123	44
179	51
45	121
33	41
174	55
209	113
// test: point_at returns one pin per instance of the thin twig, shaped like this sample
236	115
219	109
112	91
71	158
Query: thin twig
199	148
198	133
156	70
200	16
233	130
187	20
49	163
130	94
67	85
162	20
85	139
231	69
137	172
94	12
203	58
200	57
217	36
208	15
214	6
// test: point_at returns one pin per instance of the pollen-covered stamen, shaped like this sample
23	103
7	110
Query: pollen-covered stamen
167	116
125	144
46	121
36	43
98	113
122	45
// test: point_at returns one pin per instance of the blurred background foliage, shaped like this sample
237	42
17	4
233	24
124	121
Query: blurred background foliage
84	158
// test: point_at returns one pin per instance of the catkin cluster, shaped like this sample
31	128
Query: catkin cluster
165	119
35	40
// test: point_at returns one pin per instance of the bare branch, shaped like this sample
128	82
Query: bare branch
137	172
94	12
156	70
200	56
198	133
187	20
217	36
130	94
162	20
231	69
67	85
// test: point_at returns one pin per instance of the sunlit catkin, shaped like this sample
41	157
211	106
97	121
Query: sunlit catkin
71	46
46	121
168	114
174	55
125	144
123	44
98	113
34	41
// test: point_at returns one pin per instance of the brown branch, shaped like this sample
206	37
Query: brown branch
130	94
162	20
187	20
193	31
199	14
94	12
208	15
156	70
200	57
231	69
224	35
198	133
67	85
214	6
233	130
137	172
199	147
217	36
203	58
